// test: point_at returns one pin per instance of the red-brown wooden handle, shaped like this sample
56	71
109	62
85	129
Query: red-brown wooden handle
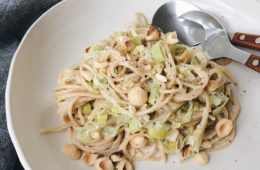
246	40
253	62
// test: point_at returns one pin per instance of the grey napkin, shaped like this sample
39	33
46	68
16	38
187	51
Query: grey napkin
16	16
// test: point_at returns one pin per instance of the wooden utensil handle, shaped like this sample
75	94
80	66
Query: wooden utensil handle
253	62
246	40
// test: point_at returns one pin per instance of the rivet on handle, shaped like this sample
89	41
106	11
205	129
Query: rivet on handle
242	37
257	40
255	62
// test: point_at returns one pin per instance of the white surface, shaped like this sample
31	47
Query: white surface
56	41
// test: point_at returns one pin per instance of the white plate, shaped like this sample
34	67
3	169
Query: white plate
56	41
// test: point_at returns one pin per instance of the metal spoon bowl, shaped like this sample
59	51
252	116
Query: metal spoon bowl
217	43
166	18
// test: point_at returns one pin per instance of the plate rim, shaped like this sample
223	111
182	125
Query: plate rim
10	127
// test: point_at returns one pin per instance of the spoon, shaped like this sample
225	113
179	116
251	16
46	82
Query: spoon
217	43
166	18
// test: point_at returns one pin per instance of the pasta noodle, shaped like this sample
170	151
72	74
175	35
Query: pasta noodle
141	95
